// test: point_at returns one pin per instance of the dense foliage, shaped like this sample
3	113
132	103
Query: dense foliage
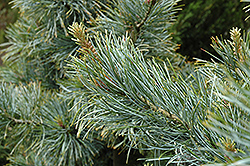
100	83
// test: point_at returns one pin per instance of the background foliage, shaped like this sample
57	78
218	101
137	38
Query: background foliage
201	19
7	16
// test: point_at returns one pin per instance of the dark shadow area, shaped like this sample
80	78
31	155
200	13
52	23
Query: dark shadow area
113	157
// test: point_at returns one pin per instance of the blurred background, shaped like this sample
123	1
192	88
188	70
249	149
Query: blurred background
7	16
201	19
197	22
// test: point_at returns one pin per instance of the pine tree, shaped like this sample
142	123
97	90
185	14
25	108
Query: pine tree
99	83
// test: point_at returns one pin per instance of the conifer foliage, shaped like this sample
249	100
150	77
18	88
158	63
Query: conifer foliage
99	83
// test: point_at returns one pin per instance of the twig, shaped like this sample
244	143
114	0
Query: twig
138	26
19	120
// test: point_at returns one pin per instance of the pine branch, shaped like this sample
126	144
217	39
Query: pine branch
137	19
113	92
138	26
136	92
